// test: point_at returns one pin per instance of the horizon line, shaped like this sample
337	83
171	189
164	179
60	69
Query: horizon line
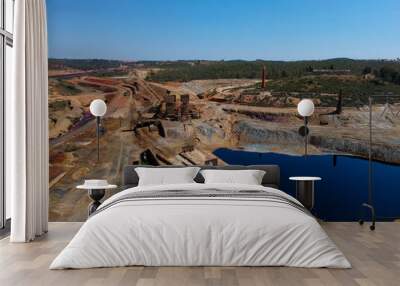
227	60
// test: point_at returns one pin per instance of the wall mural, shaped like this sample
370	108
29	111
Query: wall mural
190	112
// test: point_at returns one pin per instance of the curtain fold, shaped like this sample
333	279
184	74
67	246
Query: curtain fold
28	122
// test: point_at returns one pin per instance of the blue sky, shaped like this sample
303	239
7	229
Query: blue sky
223	29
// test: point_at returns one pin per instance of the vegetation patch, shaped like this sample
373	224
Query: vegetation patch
355	89
59	105
68	89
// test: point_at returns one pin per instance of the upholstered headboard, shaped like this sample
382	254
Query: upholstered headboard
271	178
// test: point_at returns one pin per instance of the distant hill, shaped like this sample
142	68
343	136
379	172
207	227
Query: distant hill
193	70
85	64
386	70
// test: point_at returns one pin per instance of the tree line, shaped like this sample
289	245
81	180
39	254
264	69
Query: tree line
186	71
385	73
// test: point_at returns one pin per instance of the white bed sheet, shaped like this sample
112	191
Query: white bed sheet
200	232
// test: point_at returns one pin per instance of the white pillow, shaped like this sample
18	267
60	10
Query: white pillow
166	176
247	177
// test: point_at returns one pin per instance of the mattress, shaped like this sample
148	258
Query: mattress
201	225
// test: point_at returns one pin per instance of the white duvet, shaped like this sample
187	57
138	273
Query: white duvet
202	232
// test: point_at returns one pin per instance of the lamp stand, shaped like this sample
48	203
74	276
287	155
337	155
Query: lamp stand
98	137
306	135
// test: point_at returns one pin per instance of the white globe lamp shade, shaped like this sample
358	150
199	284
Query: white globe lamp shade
98	107
305	107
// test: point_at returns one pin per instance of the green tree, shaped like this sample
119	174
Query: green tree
388	74
367	70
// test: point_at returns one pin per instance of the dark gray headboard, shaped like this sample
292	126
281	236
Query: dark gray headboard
271	178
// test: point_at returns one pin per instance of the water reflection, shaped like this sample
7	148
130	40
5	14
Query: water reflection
344	185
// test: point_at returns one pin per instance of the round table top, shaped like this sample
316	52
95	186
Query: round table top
305	179
88	187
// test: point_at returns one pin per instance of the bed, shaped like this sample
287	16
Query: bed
197	224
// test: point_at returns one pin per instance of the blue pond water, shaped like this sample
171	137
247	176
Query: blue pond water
344	185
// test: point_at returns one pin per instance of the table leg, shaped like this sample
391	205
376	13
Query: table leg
96	196
305	193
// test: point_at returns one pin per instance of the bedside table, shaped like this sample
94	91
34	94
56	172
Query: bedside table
305	190
96	193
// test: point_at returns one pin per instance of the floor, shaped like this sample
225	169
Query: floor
375	257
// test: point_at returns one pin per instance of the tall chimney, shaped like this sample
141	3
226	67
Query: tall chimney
170	103
339	103
263	78
184	106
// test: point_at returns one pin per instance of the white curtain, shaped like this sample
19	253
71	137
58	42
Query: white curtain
27	145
